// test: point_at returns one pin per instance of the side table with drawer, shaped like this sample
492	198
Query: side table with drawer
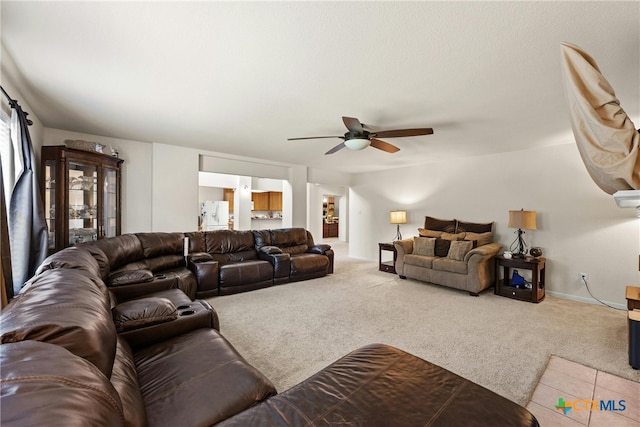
503	286
388	266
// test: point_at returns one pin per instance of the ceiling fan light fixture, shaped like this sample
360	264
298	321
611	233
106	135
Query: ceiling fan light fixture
357	143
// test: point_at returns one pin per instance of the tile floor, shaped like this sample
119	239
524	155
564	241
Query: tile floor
572	381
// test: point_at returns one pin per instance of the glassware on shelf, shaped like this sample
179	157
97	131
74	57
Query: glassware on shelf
84	183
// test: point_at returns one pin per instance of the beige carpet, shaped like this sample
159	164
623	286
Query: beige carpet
291	331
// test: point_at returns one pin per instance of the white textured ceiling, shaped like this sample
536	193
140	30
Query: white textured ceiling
242	77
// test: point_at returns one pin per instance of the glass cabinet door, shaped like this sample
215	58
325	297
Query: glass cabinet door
50	200
83	202
110	203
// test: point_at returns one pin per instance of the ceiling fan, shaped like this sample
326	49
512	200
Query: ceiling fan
358	138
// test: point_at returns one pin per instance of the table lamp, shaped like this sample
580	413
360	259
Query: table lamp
521	220
398	217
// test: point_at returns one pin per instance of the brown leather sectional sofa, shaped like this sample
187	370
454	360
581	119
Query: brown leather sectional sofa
219	262
74	352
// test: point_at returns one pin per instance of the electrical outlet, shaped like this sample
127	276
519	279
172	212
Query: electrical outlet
584	277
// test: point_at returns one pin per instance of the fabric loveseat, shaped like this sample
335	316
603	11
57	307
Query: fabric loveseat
69	357
452	253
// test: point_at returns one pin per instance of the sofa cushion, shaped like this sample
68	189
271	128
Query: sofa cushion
201	371
452	236
165	262
442	247
66	308
245	273
230	245
308	263
120	250
474	227
157	244
196	241
73	257
424	232
459	249
125	381
424	246
450	265
44	384
291	240
129	277
481	239
100	257
419	260
448	225
143	312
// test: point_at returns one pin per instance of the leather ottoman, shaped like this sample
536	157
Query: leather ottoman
379	385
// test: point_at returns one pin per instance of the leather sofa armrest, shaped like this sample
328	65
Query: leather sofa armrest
199	257
319	249
143	312
207	276
281	262
270	250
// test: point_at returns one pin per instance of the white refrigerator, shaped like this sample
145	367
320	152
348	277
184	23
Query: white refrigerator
215	215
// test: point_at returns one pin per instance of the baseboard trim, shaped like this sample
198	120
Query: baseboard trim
587	300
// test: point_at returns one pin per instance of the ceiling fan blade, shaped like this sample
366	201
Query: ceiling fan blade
402	132
353	124
384	146
314	137
336	148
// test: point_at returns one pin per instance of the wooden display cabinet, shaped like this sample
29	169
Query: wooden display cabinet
81	191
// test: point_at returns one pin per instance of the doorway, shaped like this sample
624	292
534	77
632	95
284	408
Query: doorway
330	216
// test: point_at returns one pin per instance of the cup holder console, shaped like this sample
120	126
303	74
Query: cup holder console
187	312
184	306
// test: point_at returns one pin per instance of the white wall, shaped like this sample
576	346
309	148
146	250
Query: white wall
580	228
174	204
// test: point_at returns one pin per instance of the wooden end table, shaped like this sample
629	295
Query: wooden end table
388	266
537	267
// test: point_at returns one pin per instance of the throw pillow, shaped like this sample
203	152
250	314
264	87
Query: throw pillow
423	232
442	247
448	225
450	236
424	246
474	227
459	249
480	238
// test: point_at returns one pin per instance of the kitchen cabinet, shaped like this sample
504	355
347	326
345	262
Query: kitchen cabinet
260	201
267	201
275	200
330	229
81	191
228	196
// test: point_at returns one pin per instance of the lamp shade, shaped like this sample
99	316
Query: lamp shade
522	219
357	143
398	217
